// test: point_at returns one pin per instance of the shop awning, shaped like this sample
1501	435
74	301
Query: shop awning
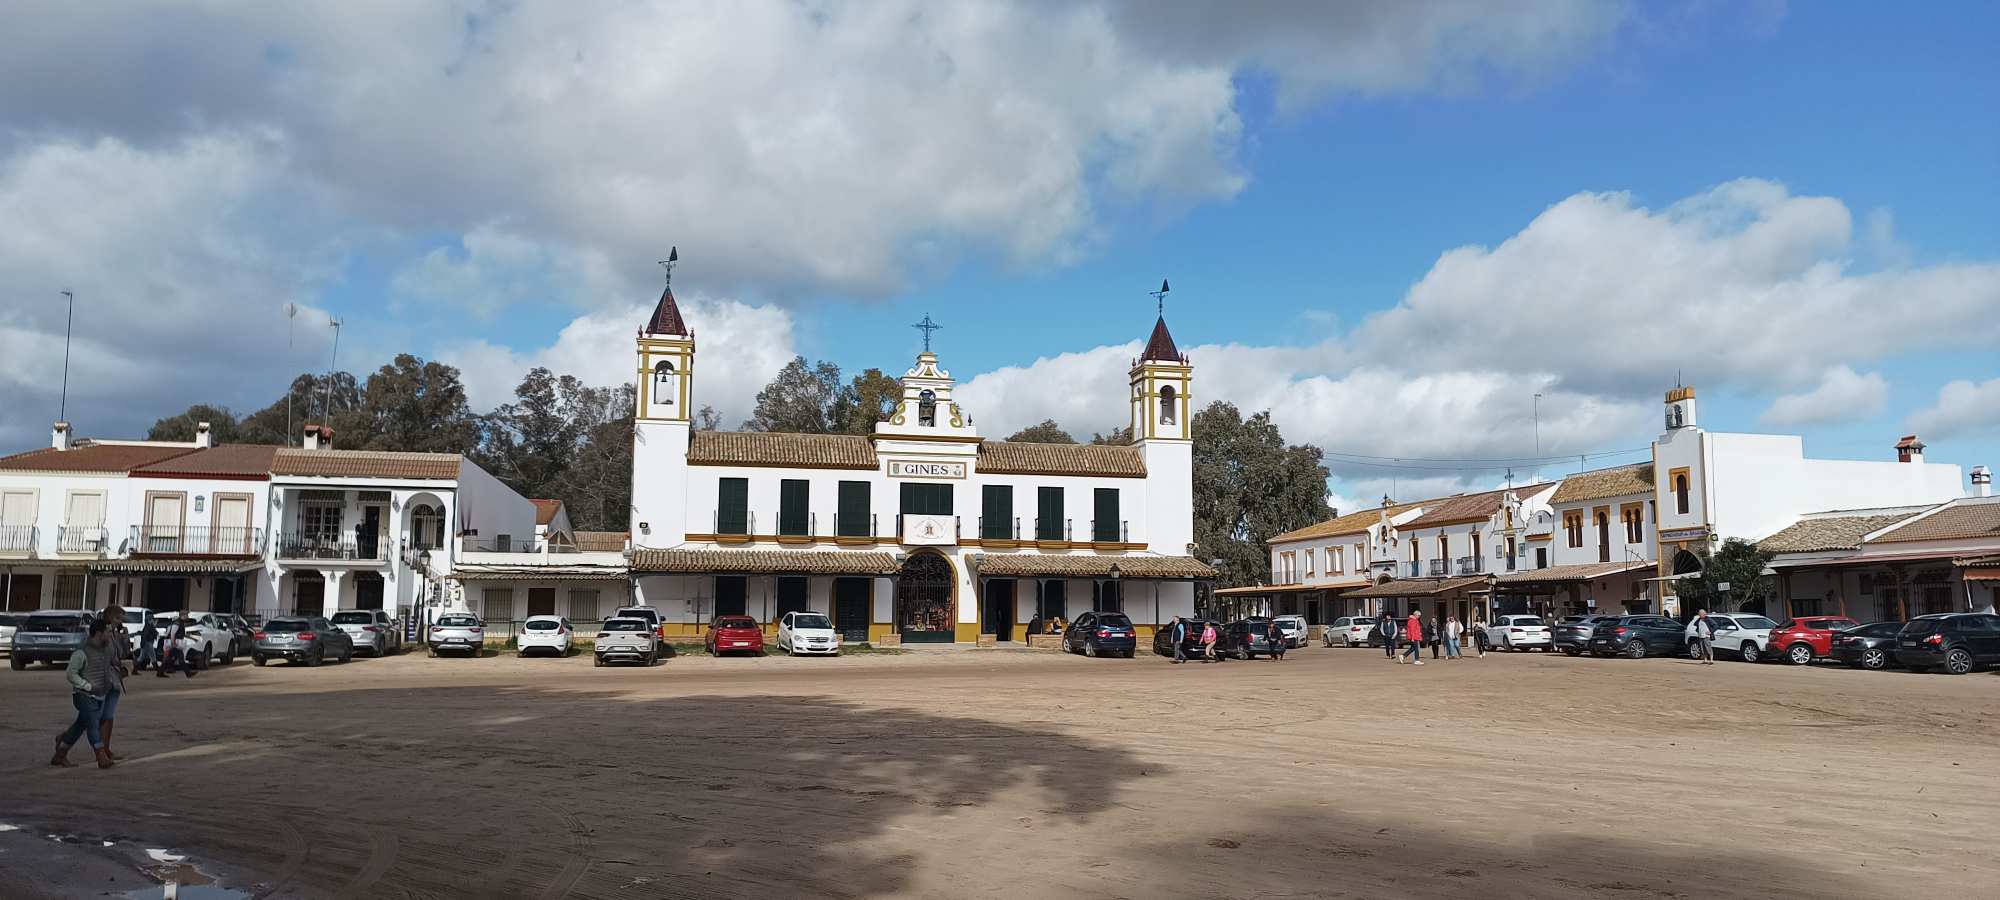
1979	568
539	573
1054	565
1413	587
1571	574
175	566
762	562
1260	590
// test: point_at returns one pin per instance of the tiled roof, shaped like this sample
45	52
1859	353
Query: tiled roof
1955	522
1614	482
1160	346
770	448
94	458
365	464
175	566
601	541
667	316
1577	572
763	562
1352	523
1466	507
1051	565
1828	533
538	573
237	460
1022	458
545	510
1414	587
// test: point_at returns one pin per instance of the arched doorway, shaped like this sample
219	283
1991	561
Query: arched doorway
1686	563
926	611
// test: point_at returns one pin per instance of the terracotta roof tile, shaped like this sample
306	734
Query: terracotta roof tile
238	460
1577	572
601	541
1614	482
1467	507
94	458
1415	587
1054	565
366	464
667	316
1352	523
770	448
1823	533
1160	346
545	510
763	562
1955	522
1022	458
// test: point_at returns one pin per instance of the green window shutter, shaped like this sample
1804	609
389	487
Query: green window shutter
794	499
1104	519
1049	514
996	512
926	499
732	506
855	510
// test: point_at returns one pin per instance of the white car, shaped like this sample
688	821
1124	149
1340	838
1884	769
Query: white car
8	622
807	632
207	634
1519	633
1747	635
545	633
1352	631
1293	628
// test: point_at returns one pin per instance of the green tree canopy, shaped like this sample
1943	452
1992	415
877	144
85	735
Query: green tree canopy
222	425
1739	564
1048	432
799	400
869	398
1249	485
1121	436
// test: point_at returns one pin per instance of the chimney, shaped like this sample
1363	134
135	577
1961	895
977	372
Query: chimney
1909	449
1982	482
201	436
59	439
310	439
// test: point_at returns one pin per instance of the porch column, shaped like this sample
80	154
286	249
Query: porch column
1785	588
1902	594
330	601
1840	588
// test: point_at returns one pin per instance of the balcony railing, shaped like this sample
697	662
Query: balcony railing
17	538
1110	532
746	526
855	526
506	543
196	540
798	529
1046	530
1000	528
1413	569
82	539
326	546
1471	565
1440	568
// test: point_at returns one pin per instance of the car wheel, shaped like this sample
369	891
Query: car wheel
1957	662
1874	658
16	663
1243	653
1749	651
1635	650
1090	649
1798	654
430	651
1572	651
319	656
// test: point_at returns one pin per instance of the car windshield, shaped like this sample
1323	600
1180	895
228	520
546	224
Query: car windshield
812	621
1113	620
353	618
457	621
1359	620
135	616
636	612
7	620
1525	621
740	622
625	625
52	624
1924	625
543	625
287	626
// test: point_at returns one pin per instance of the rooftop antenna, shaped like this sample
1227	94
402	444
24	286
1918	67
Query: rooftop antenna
291	313
62	410
1538	436
927	326
1160	298
326	409
673	256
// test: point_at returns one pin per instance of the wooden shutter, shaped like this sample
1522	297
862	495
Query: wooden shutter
794	499
1104	519
855	513
1049	514
732	506
996	512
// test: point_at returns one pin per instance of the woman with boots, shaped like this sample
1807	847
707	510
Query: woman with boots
95	681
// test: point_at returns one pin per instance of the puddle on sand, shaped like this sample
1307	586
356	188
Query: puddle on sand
180	880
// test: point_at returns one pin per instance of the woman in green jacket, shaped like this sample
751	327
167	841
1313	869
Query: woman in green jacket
95	682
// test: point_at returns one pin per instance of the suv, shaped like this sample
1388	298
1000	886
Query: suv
1518	633
372	630
1638	636
1957	641
49	636
1571	634
1244	639
625	639
1353	631
655	622
1807	638
457	631
1101	634
1747	635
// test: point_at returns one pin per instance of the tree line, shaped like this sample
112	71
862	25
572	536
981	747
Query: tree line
561	438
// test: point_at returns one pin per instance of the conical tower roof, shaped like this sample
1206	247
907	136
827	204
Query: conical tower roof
667	316
1161	346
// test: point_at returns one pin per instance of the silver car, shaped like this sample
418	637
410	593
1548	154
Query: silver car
374	633
7	624
308	640
457	633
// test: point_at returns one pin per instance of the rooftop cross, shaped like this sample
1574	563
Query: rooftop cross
1160	297
927	326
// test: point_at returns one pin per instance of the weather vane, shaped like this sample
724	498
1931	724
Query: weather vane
927	326
673	256
1160	297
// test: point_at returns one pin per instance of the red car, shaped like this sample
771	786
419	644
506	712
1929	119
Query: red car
1806	638
735	634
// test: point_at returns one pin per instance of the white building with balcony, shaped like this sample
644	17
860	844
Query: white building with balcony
1591	551
923	531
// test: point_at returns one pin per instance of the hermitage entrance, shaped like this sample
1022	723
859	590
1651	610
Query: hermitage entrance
925	611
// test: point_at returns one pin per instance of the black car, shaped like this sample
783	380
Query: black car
1245	638
1869	646
1572	634
1958	642
1191	646
1638	637
1101	634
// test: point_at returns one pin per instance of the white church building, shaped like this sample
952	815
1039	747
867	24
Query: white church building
922	532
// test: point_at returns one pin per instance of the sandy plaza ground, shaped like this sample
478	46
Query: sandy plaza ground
1015	773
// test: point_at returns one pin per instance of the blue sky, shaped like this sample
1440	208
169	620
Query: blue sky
1295	171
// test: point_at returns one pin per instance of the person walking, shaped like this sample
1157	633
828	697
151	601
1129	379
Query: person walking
1177	633
1701	637
94	679
1452	629
1208	637
1479	637
1274	637
149	644
1431	636
1413	638
1386	628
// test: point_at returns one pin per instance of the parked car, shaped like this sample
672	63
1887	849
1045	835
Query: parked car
47	636
1958	642
204	636
373	631
1638	637
807	632
1244	638
1871	646
1353	631
308	640
1191	646
544	634
1101	634
458	633
1519	633
8	622
134	620
246	633
1747	635
734	634
1807	638
1294	630
626	639
1571	634
655	622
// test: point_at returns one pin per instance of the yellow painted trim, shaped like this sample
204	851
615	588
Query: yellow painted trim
936	438
879	630
965	632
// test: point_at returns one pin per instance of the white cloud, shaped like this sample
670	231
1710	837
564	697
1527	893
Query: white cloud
1842	394
1963	408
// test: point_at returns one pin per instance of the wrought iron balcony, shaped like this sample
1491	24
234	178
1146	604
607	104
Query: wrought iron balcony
505	543
1000	528
1440	568
1413	569
196	540
82	539
17	538
1110	532
855	526
744	526
327	546
1471	565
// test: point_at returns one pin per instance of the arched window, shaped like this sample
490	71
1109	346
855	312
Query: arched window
927	409
1681	494
663	384
1166	406
426	527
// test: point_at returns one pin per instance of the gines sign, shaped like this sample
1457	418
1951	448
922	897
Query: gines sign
904	468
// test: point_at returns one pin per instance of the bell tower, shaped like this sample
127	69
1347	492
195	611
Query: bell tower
1161	379
662	421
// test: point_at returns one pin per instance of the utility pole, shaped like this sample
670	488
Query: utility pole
1538	436
326	409
291	314
62	411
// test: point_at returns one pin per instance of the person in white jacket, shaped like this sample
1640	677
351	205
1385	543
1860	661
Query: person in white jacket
1453	630
1701	638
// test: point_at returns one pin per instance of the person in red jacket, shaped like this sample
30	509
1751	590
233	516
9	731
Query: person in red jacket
1413	636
